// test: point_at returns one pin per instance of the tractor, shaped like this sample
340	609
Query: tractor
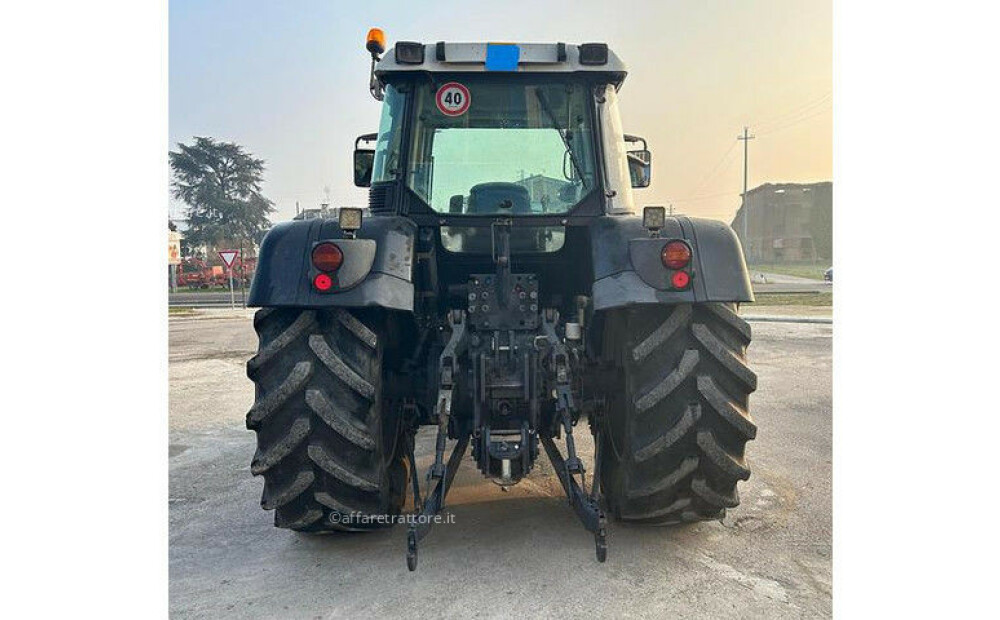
500	287
194	273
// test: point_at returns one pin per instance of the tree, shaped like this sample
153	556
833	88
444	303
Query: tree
221	185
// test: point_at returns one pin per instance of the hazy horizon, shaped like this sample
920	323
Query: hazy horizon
289	83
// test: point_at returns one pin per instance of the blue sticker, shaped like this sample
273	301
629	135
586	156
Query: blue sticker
502	57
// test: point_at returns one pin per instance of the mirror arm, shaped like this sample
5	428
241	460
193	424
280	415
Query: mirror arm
633	139
368	137
374	85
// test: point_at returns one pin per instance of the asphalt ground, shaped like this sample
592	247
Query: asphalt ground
521	553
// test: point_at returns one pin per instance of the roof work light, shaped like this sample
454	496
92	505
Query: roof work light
594	54
409	52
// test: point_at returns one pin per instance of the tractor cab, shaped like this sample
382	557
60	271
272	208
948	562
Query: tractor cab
474	130
482	140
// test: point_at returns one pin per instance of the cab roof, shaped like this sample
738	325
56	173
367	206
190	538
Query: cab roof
444	57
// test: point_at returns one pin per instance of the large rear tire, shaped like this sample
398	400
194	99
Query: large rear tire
677	426
325	447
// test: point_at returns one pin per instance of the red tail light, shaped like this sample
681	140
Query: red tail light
327	257
322	282
680	279
676	255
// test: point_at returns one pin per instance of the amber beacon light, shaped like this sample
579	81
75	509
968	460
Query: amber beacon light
375	42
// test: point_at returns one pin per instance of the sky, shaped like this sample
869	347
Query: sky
289	81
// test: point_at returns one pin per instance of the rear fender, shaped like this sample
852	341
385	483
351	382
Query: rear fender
628	270
377	269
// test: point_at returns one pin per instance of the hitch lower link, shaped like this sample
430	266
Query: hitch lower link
443	474
585	506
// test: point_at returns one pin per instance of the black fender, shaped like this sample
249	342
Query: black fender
628	270
377	269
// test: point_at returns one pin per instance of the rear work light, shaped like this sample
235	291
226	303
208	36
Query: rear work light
327	257
654	218
676	255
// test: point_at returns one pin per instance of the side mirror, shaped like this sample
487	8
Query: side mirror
639	167
364	161
455	203
639	162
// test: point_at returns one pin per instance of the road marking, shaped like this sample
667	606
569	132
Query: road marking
788	319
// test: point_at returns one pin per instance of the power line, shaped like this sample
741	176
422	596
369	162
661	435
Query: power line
797	119
795	122
706	197
768	125
714	170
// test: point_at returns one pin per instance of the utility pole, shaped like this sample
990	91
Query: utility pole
670	209
746	138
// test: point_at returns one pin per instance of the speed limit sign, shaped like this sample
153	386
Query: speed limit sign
453	99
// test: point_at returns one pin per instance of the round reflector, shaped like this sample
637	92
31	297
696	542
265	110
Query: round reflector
327	257
680	279
676	255
323	282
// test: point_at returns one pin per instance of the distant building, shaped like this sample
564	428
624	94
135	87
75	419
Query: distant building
789	222
324	211
542	189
